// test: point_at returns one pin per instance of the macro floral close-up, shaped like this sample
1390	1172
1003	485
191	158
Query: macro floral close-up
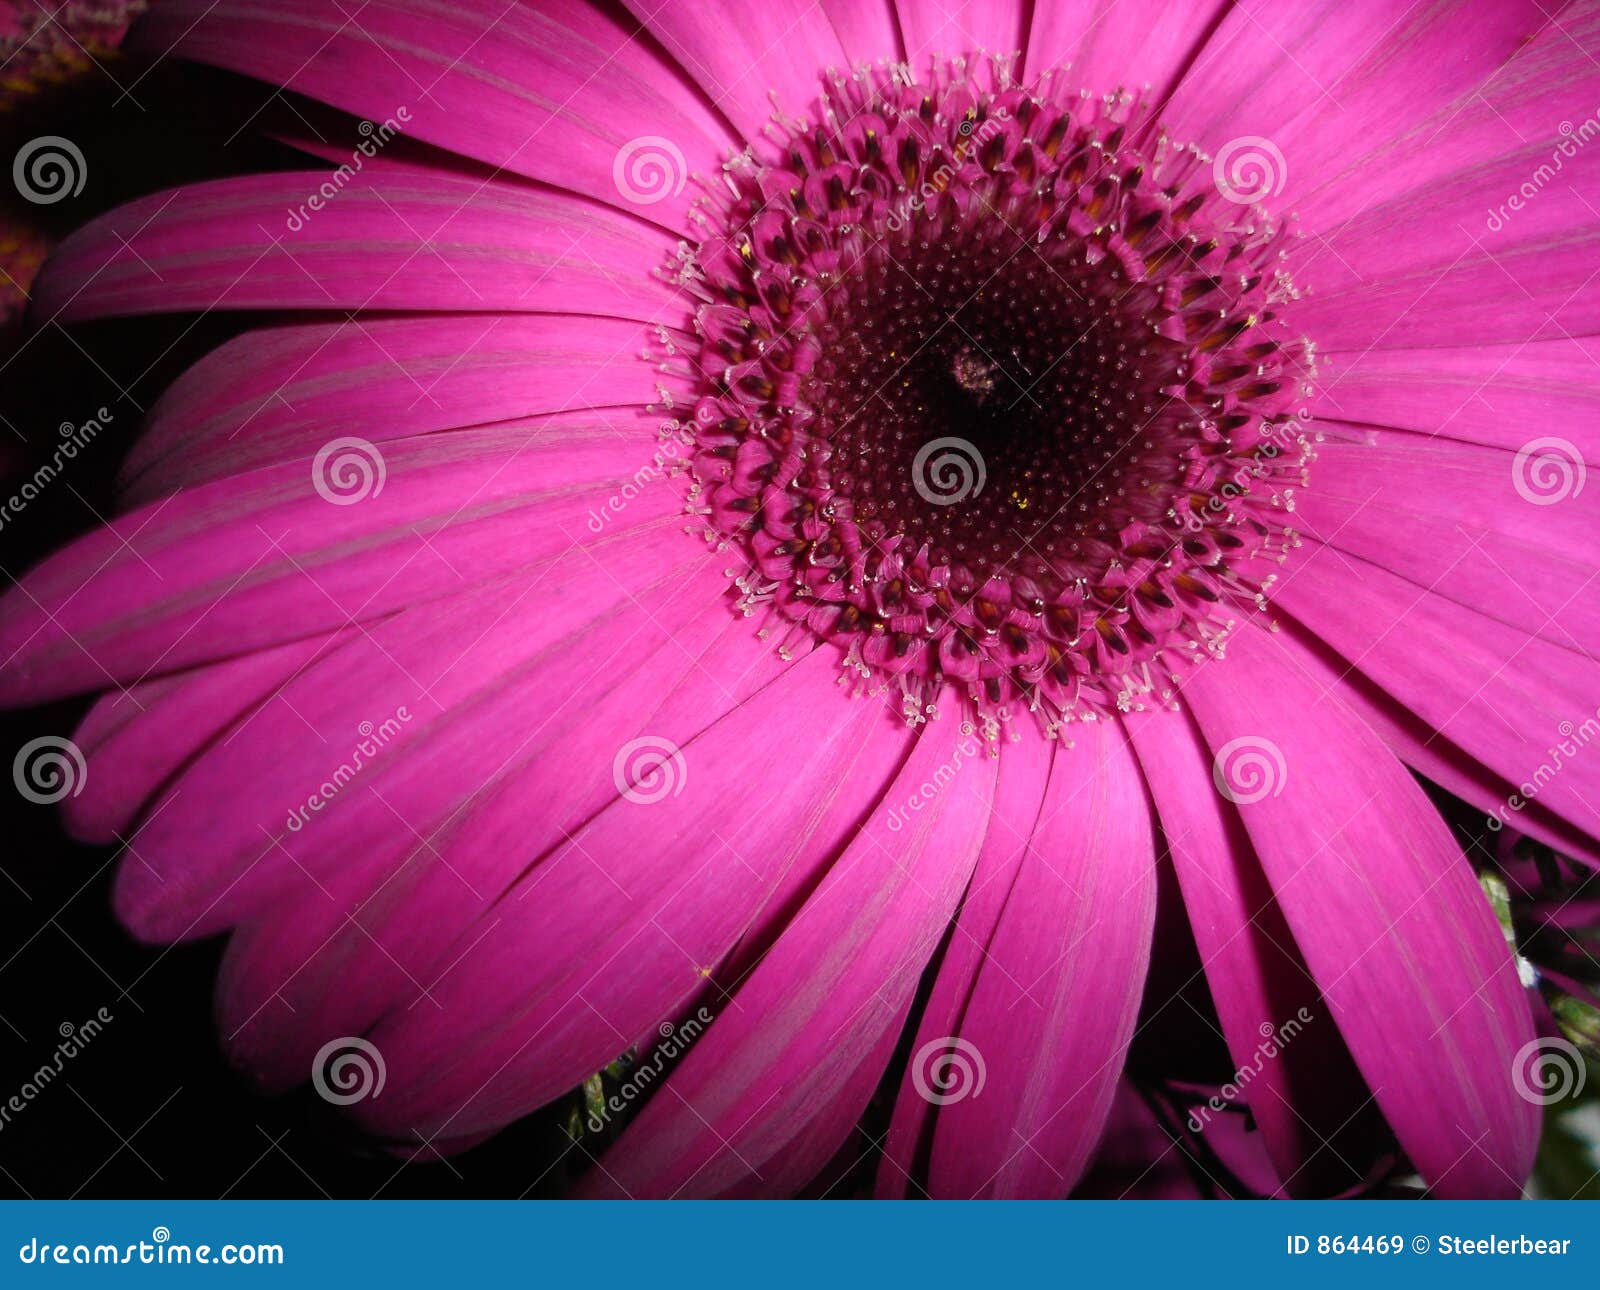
818	598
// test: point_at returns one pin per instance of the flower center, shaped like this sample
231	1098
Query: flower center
995	393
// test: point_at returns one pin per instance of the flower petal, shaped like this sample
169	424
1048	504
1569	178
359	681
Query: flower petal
1122	44
1302	1087
1386	911
137	738
379	241
367	938
292	797
1320	80
807	1030
265	558
1515	539
748	59
619	927
555	92
867	29
1461	672
1494	395
1018	798
1058	991
272	395
939	29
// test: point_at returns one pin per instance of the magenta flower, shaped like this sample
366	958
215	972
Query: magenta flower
952	579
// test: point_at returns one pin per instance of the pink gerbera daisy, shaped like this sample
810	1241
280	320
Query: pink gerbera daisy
868	555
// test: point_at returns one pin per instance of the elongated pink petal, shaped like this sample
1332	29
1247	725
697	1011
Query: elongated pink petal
367	937
1454	217
1319	80
748	58
1465	524
135	739
1386	911
1483	295
1472	671
377	242
1520	105
620	926
867	29
1296	1075
271	395
1122	44
265	558
1434	755
941	29
1058	990
1018	797
1466	393
556	92
274	808
803	1032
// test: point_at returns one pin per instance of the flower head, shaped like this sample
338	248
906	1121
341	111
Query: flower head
801	567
